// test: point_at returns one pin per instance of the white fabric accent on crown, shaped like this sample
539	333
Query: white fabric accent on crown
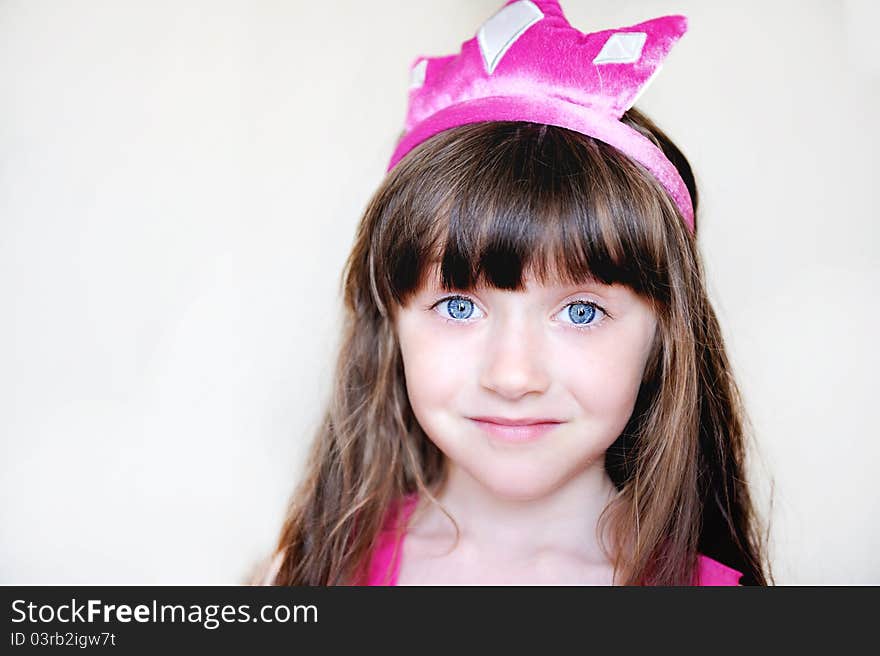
622	48
502	30
417	74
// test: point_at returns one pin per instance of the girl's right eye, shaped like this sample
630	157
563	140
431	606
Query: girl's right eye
456	309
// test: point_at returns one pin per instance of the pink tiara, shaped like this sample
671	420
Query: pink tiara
527	63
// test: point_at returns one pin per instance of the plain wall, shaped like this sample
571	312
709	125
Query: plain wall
179	187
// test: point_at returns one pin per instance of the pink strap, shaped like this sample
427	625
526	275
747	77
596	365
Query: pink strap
385	565
711	572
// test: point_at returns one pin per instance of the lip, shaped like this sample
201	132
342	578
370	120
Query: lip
515	430
527	421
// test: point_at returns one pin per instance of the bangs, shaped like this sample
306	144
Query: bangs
492	204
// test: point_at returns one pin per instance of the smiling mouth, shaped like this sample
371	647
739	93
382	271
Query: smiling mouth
515	432
526	421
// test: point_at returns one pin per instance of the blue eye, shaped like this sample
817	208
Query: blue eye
457	309
460	308
581	313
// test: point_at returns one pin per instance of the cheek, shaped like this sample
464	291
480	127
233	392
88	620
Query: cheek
604	380
435	368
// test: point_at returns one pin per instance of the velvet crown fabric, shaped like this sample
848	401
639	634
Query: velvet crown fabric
527	63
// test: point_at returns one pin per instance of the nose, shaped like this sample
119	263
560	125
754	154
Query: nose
514	362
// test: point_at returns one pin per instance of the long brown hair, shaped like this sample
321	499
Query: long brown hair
490	202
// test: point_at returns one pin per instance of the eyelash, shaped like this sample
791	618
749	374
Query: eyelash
590	326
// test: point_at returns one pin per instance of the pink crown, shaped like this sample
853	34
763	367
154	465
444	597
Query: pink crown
527	63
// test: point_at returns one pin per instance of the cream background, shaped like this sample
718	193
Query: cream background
179	187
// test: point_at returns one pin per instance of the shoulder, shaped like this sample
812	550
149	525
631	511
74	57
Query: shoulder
385	560
711	572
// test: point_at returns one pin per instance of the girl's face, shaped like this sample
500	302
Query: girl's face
571	354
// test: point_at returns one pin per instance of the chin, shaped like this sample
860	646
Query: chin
520	484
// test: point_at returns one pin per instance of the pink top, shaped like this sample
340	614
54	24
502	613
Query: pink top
710	571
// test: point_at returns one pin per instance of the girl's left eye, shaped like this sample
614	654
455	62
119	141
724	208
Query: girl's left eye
458	309
583	313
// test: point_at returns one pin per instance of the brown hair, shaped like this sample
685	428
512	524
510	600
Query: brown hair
490	201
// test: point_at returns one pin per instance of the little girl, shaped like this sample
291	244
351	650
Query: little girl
532	386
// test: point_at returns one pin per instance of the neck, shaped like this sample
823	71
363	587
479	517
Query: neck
563	519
